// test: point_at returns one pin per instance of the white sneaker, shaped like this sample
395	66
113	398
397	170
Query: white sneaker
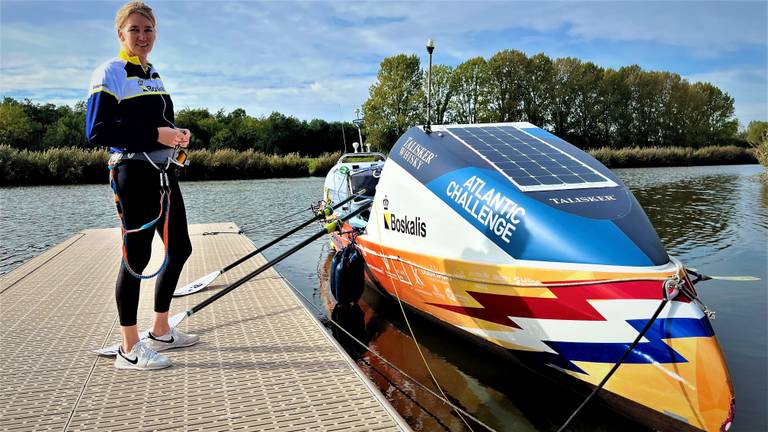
173	339
141	357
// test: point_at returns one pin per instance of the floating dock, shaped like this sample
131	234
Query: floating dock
264	362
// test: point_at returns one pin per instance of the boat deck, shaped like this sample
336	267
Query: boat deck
264	362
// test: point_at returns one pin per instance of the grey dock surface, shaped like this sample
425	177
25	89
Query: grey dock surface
264	363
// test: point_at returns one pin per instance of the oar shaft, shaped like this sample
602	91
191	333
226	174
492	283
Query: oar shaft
286	234
268	245
271	263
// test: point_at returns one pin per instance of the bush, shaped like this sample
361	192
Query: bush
320	165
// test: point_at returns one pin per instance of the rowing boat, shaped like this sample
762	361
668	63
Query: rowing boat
515	237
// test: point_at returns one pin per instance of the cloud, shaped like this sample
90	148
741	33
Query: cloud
307	58
748	86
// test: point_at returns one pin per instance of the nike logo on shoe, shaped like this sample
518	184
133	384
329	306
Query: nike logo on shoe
134	361
160	340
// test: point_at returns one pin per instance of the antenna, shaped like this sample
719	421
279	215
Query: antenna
430	48
358	122
343	135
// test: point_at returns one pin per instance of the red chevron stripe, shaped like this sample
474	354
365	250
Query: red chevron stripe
571	303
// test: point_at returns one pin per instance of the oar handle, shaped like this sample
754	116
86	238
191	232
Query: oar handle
289	232
330	227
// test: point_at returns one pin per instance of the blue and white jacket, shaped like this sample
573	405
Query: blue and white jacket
126	105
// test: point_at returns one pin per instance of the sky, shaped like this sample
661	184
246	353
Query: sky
319	59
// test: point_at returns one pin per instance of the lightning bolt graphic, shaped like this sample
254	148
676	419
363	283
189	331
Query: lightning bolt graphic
572	303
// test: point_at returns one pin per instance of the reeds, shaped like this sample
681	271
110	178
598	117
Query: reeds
54	166
636	157
76	165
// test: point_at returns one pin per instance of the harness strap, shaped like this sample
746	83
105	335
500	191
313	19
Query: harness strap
165	208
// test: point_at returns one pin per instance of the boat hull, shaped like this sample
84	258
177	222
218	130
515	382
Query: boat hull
574	322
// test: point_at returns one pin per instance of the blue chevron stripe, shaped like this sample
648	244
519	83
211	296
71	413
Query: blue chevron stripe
653	351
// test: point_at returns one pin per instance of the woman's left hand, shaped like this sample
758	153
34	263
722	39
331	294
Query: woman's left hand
187	136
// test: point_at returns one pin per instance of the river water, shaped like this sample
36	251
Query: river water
714	219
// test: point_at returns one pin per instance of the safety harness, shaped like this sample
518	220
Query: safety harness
179	158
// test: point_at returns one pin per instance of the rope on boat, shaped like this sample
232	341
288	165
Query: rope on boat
424	359
667	296
518	285
389	363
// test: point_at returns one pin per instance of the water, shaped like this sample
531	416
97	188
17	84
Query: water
712	218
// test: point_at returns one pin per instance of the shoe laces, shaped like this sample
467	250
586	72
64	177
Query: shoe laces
147	352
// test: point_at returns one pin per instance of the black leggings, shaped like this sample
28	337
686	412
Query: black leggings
138	185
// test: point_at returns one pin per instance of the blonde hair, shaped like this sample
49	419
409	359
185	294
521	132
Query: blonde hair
134	7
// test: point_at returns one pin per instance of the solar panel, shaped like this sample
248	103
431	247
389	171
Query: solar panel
530	162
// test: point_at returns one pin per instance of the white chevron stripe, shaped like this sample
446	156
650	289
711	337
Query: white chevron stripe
519	337
578	331
614	329
622	310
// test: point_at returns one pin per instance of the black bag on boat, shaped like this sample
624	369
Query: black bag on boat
347	277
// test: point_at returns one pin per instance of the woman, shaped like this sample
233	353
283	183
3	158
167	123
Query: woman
130	112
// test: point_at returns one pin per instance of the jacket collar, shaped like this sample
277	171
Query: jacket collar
134	60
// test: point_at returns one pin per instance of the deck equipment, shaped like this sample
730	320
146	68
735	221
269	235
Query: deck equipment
204	281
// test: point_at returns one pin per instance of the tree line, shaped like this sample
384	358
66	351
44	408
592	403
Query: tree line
26	125
588	105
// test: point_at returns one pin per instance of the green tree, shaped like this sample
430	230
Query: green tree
223	139
588	101
564	90
442	92
395	102
646	107
200	123
507	78
68	130
615	113
719	110
757	132
537	90
696	126
281	134
16	128
757	136
471	102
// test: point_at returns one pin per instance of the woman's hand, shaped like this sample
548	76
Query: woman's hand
173	137
187	136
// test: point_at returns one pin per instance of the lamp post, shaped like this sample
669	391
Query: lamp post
430	48
357	121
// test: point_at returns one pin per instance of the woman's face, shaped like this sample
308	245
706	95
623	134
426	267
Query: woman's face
137	35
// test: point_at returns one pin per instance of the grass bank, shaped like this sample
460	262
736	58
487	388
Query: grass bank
81	166
636	157
75	165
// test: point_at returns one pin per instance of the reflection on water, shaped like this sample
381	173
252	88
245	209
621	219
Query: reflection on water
712	218
692	213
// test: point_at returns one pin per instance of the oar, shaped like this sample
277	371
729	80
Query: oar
204	281
702	277
177	319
